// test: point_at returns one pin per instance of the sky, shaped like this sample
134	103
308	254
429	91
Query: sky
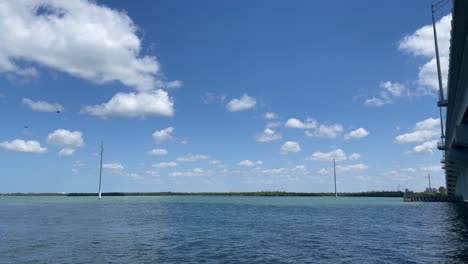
221	96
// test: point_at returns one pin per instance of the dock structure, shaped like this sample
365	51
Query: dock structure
432	198
454	144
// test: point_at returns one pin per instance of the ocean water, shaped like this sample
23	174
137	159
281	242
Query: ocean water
230	229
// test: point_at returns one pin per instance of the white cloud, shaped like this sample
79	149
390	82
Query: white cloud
214	162
116	167
354	156
153	103
42	106
423	131
248	163
276	171
374	101
421	44
190	173
417	136
192	158
290	146
241	104
428	124
324	131
337	154
395	89
268	135
425	148
134	176
162	135
390	91
174	84
65	152
81	38
152	173
209	98
340	168
273	124
296	123
165	164
358	133
270	115
158	152
66	138
20	145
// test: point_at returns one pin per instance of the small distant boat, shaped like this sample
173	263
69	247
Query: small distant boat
100	170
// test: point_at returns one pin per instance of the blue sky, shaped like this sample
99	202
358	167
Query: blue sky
219	96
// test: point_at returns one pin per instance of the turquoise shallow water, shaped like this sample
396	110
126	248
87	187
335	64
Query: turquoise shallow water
230	229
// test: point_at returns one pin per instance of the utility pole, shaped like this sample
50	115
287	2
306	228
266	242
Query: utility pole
334	173
429	178
100	169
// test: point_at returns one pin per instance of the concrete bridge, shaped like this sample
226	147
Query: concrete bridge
455	142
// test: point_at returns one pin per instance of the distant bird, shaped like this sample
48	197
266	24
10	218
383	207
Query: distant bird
26	127
58	112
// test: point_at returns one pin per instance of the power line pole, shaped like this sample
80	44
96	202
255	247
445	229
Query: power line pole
334	173
429	178
100	169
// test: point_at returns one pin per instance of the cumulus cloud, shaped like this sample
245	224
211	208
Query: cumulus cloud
268	135
20	145
162	135
296	123
165	164
173	84
378	101
65	152
346	168
421	44
425	148
209	98
192	158
81	38
324	131
395	89
66	138
270	115
354	156
158	152
116	167
42	106
190	173
423	131
248	163
337	154
389	92
290	146
273	124
241	104
358	133
145	104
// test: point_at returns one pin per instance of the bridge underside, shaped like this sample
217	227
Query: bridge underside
455	161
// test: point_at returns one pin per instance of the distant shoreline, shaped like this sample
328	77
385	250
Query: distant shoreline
262	193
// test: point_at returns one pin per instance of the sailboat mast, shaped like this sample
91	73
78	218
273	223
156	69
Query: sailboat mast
100	169
334	173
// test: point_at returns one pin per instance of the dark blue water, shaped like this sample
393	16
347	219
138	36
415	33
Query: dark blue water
194	229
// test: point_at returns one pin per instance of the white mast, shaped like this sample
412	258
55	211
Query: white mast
334	173
100	169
